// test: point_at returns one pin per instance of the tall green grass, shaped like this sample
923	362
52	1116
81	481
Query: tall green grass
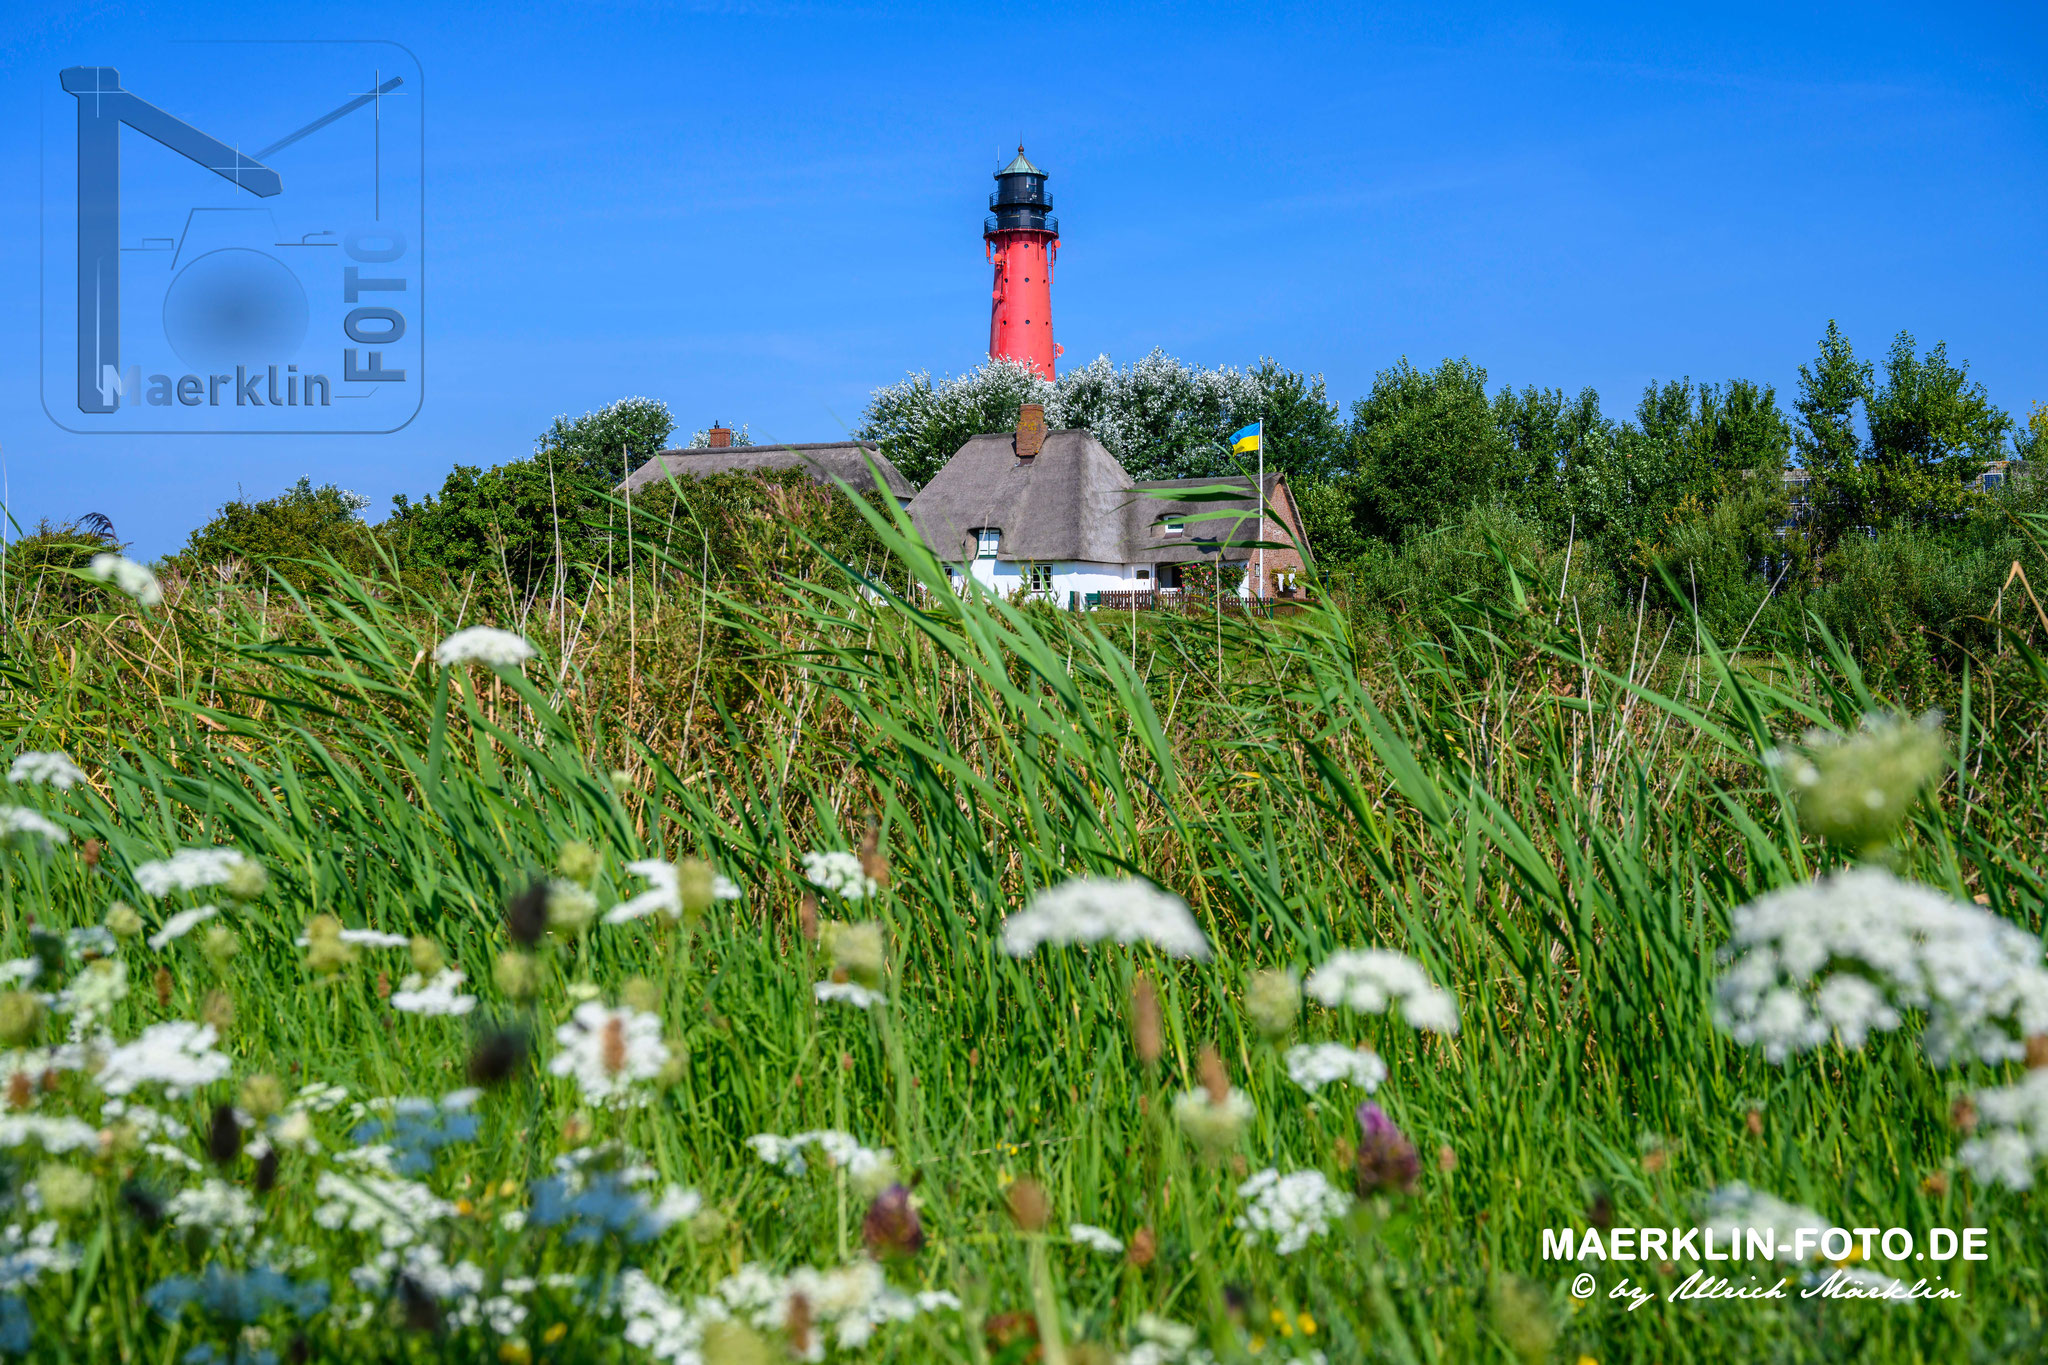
1555	826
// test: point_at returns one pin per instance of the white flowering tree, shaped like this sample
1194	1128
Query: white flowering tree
1162	418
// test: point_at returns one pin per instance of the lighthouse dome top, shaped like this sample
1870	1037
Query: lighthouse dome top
1020	165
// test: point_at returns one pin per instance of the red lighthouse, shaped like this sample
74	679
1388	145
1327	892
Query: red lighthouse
1023	237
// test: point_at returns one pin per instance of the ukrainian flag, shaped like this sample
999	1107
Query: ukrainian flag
1246	439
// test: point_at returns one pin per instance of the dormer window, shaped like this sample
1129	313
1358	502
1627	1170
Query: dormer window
1172	526
987	541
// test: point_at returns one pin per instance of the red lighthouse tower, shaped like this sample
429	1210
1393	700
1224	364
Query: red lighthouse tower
1023	237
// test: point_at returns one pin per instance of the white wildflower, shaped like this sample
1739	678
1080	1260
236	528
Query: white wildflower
2012	1136
863	1165
417	995
841	874
189	869
850	993
1094	1238
609	1052
21	820
1315	1065
1091	909
1372	980
1734	1211
54	1135
216	1207
128	576
398	1211
177	1055
1849	955
19	971
46	770
181	924
93	993
363	938
1289	1210
663	894
484	645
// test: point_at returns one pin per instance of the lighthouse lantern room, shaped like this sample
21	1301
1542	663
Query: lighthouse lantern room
1023	238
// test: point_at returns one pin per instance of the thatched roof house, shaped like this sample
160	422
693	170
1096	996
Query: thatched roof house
1053	513
823	460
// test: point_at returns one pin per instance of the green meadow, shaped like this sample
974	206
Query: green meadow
277	1137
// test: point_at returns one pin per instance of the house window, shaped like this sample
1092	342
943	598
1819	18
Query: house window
1144	575
1039	577
1173	526
987	540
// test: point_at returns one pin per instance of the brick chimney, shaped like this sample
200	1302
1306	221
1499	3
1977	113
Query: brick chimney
1030	432
718	438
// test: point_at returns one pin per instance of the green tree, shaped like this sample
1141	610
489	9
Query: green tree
1722	435
1426	445
1547	436
287	533
603	446
1932	432
1161	418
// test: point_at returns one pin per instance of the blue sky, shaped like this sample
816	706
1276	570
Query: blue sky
760	212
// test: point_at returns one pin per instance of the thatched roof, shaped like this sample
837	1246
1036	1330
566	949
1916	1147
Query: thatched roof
1068	503
1146	543
824	460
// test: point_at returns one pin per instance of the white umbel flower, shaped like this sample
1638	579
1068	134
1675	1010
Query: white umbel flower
129	577
397	1211
664	892
841	874
1848	955
1094	1238
483	645
189	869
610	1052
862	1164
442	995
1091	909
215	1207
1374	980
2012	1138
21	820
46	770
1734	1210
1315	1065
1289	1210
181	924
848	993
177	1055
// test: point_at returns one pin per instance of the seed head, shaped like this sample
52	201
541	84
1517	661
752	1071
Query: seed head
641	995
426	956
123	921
1030	1207
246	880
807	917
1386	1161
217	1010
612	1046
224	1135
516	975
219	946
21	1017
1146	1034
1273	1000
266	1170
496	1057
326	952
857	950
576	860
891	1229
696	888
261	1096
65	1189
1214	1078
526	915
162	981
1144	1246
727	1342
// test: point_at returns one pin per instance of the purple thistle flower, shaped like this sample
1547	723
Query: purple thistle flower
891	1229
1386	1158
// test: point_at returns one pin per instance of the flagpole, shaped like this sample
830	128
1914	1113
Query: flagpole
1262	507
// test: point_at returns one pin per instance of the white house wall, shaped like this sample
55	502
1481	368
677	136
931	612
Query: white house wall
1006	577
